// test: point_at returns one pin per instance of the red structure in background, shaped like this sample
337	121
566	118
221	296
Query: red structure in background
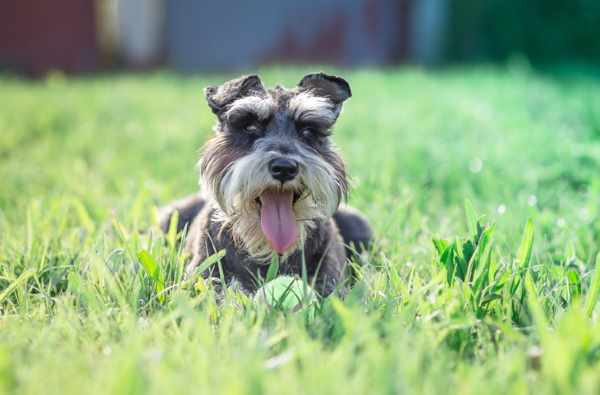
38	36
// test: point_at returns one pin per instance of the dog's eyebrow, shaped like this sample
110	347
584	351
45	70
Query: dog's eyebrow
263	107
306	107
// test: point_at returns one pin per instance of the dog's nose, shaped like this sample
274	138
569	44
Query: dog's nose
283	169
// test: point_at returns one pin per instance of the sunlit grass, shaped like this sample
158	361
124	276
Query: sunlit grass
482	185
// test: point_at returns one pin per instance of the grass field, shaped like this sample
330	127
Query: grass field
445	306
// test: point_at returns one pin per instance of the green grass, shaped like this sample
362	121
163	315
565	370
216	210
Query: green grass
463	294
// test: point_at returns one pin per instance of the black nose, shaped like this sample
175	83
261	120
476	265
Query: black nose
283	169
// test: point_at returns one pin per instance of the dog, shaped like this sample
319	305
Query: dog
273	182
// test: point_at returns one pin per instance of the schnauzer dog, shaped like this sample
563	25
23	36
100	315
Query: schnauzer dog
272	182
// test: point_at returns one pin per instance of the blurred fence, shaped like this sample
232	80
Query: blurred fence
191	35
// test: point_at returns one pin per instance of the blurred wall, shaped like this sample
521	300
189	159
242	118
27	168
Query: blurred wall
36	36
236	34
141	31
428	31
199	35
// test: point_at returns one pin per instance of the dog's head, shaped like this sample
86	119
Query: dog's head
272	168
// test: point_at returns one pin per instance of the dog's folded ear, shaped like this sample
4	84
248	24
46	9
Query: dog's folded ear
334	88
219	97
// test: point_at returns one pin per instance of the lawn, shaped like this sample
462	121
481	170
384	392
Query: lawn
482	184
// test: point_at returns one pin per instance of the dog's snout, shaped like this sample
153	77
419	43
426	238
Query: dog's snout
283	169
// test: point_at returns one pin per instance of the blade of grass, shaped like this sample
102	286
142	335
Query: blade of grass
537	311
172	232
21	279
273	268
83	215
526	246
211	260
153	270
471	217
592	296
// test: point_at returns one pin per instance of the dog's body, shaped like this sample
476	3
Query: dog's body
273	182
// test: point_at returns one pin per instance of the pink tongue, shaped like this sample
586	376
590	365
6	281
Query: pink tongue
277	219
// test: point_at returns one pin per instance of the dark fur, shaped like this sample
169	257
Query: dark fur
328	245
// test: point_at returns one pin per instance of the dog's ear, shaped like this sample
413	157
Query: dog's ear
332	87
219	97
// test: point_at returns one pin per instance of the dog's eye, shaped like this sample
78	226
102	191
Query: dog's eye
253	128
311	131
247	123
308	132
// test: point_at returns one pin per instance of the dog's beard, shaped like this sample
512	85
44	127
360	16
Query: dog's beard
317	193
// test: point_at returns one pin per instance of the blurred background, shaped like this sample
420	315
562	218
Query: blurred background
189	35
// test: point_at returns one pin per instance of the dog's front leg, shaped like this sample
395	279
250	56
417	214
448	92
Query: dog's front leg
330	271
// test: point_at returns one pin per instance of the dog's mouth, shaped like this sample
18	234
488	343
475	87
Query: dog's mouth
277	218
297	196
